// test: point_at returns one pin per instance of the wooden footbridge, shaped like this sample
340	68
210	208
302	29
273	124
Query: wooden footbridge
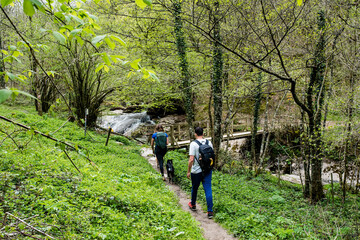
179	137
237	135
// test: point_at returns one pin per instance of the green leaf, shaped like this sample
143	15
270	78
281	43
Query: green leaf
119	40
11	76
38	5
148	2
97	39
106	59
101	65
24	93
79	39
141	3
75	31
4	95
299	2
110	43
135	64
4	3
61	38
77	19
62	146
153	76
28	8
60	16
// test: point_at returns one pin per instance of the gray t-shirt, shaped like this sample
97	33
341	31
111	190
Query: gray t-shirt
194	151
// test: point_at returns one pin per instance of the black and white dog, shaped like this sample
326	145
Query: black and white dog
170	170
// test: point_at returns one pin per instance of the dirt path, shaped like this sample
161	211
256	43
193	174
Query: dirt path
211	229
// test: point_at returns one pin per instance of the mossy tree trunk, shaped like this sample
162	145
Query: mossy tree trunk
2	65
316	88
184	67
217	79
255	124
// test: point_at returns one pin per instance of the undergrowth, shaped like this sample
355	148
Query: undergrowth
259	208
123	199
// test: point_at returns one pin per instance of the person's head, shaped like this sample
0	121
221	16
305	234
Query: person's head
199	131
159	128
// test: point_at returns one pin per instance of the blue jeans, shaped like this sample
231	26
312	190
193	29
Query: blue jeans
196	178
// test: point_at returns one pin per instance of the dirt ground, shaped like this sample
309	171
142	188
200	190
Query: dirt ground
211	229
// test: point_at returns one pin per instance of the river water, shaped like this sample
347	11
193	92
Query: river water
125	123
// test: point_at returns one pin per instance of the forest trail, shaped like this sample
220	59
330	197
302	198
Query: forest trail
211	229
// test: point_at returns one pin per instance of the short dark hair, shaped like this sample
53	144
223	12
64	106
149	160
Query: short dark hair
199	131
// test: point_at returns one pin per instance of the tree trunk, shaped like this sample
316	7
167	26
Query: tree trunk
255	125
184	67
317	88
217	80
2	65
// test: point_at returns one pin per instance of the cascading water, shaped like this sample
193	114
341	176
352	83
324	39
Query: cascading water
125	123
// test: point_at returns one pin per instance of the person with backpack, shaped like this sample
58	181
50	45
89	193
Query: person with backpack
161	140
200	166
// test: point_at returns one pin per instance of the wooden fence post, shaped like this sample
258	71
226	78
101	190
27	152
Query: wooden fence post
179	130
172	139
108	136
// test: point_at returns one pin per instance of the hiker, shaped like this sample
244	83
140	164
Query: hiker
198	173
161	140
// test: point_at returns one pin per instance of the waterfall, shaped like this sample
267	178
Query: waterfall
125	123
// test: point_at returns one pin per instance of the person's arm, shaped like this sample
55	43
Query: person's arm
167	141
152	144
191	162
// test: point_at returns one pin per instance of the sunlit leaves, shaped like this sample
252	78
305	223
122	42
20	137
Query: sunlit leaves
4	3
28	8
60	37
119	40
135	64
7	93
75	32
141	3
110	43
97	39
299	2
108	39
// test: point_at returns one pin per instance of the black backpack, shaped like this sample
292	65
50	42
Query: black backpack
206	157
161	140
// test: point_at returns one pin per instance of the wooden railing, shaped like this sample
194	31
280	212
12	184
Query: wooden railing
179	132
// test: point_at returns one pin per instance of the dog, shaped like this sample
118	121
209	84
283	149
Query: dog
170	171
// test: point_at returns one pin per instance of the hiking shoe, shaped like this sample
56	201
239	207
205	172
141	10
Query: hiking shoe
210	215
163	178
192	207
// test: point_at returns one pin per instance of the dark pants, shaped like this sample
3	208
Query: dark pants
196	179
160	153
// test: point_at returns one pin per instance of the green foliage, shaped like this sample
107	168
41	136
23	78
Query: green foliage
260	209
125	199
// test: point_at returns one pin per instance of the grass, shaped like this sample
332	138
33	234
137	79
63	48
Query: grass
124	199
258	208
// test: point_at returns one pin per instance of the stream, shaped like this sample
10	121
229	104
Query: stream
125	123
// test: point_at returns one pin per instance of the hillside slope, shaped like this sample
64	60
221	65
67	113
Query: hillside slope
124	199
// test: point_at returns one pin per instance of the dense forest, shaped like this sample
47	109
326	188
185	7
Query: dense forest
286	68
